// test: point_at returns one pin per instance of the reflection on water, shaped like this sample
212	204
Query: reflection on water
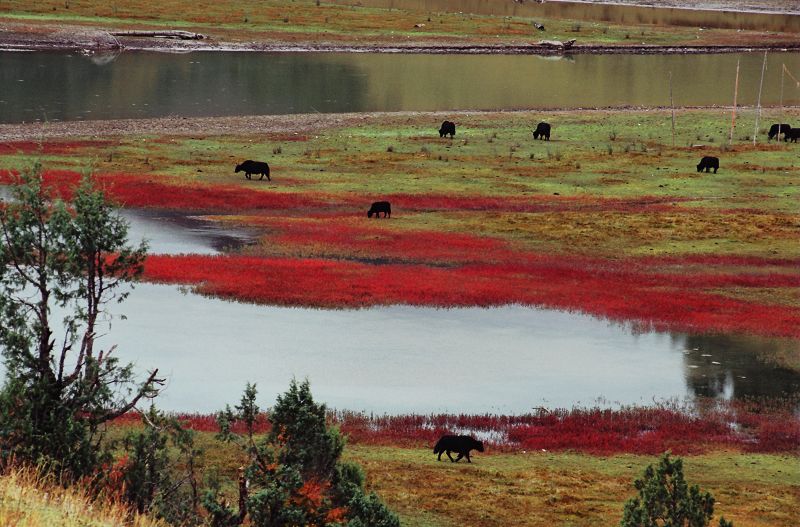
173	232
54	86
727	367
613	13
168	232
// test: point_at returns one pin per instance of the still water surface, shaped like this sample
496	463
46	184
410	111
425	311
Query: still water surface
57	86
409	359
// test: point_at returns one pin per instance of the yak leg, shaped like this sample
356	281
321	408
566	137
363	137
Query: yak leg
468	459
440	455
460	455
451	457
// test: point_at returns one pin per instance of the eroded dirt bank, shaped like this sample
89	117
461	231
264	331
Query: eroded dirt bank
20	37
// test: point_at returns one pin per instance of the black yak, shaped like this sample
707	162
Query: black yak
448	128
378	207
542	130
254	167
792	134
776	129
460	444
708	163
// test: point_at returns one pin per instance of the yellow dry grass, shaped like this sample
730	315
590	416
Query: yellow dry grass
27	499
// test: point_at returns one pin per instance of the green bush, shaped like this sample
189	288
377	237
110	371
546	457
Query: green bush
295	476
666	500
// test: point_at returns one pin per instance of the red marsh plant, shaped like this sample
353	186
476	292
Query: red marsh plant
603	288
706	426
48	147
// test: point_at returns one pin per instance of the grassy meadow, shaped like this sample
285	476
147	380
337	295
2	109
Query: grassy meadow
608	217
274	21
540	487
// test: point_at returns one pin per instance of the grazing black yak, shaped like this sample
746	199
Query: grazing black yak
254	167
708	163
776	129
460	444
378	207
448	128
542	130
792	134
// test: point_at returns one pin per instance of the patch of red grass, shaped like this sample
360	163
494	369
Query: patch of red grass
45	148
372	241
638	430
603	288
142	190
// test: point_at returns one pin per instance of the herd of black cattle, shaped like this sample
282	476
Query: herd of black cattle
542	131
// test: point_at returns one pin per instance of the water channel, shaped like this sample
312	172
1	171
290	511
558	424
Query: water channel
56	86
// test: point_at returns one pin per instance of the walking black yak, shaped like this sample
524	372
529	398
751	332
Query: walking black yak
254	167
460	444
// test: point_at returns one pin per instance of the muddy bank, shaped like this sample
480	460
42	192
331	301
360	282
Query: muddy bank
91	40
100	43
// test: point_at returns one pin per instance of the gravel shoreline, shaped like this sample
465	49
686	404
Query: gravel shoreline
265	124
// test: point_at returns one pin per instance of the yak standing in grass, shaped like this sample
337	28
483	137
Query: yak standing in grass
707	163
448	128
460	444
378	207
542	131
792	135
777	129
254	167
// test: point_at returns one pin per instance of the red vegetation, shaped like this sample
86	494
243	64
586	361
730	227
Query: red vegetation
638	430
46	148
373	242
610	289
361	263
139	190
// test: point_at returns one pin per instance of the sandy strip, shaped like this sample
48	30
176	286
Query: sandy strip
265	124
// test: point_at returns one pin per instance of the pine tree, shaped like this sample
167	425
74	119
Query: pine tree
295	476
666	500
60	388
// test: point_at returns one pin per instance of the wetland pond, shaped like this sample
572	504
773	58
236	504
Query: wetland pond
405	359
39	86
